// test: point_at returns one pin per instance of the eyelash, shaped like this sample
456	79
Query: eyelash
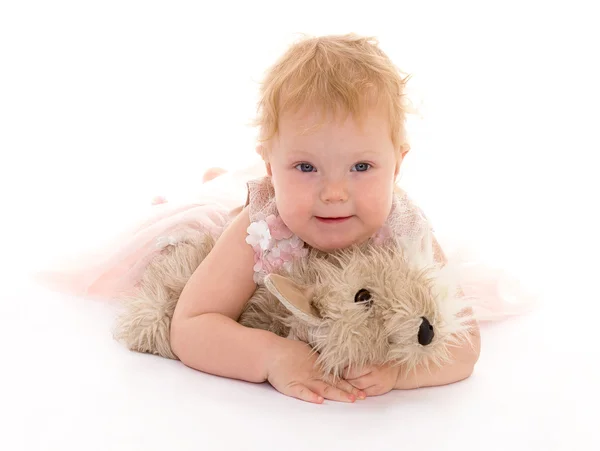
299	166
308	164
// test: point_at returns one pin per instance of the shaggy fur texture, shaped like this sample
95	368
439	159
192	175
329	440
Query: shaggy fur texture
317	303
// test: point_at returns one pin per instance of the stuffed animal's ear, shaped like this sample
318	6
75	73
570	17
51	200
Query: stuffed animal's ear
294	297
418	253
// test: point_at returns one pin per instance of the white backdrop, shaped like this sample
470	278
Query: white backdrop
104	105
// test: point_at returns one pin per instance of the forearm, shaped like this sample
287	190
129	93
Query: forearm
463	360
216	344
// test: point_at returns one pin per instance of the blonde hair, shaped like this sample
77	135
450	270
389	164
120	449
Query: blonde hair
338	73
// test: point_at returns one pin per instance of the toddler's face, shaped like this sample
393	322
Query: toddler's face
333	184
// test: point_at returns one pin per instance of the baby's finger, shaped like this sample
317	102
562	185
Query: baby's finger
303	393
362	383
349	388
355	373
375	390
331	392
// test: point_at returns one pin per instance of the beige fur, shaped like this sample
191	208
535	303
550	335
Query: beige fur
315	303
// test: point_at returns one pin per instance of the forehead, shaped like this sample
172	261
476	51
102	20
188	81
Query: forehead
309	127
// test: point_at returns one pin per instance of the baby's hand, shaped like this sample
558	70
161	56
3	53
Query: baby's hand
293	372
374	381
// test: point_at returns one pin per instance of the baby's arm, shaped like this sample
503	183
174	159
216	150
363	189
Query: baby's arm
464	357
206	336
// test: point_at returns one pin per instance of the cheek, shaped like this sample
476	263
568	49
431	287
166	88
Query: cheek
293	210
294	199
374	198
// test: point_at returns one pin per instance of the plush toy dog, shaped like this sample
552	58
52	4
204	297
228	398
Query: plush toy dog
365	305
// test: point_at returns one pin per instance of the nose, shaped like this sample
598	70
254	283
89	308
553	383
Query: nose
334	191
426	333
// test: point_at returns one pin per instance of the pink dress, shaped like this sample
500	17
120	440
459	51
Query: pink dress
115	270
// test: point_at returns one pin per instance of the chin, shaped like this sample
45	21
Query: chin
332	243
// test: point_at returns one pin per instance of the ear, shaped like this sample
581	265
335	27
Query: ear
294	297
262	151
404	149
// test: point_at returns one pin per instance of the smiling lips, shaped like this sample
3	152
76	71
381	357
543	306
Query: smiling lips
333	220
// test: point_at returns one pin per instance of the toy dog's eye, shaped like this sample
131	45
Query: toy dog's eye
426	333
363	296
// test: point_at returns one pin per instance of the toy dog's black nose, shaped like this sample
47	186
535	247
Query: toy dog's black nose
425	332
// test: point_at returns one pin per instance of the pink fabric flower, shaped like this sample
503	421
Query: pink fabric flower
382	235
259	235
274	245
277	227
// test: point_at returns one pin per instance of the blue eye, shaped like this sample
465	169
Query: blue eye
362	167
305	167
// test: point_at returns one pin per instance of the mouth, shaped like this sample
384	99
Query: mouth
332	220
